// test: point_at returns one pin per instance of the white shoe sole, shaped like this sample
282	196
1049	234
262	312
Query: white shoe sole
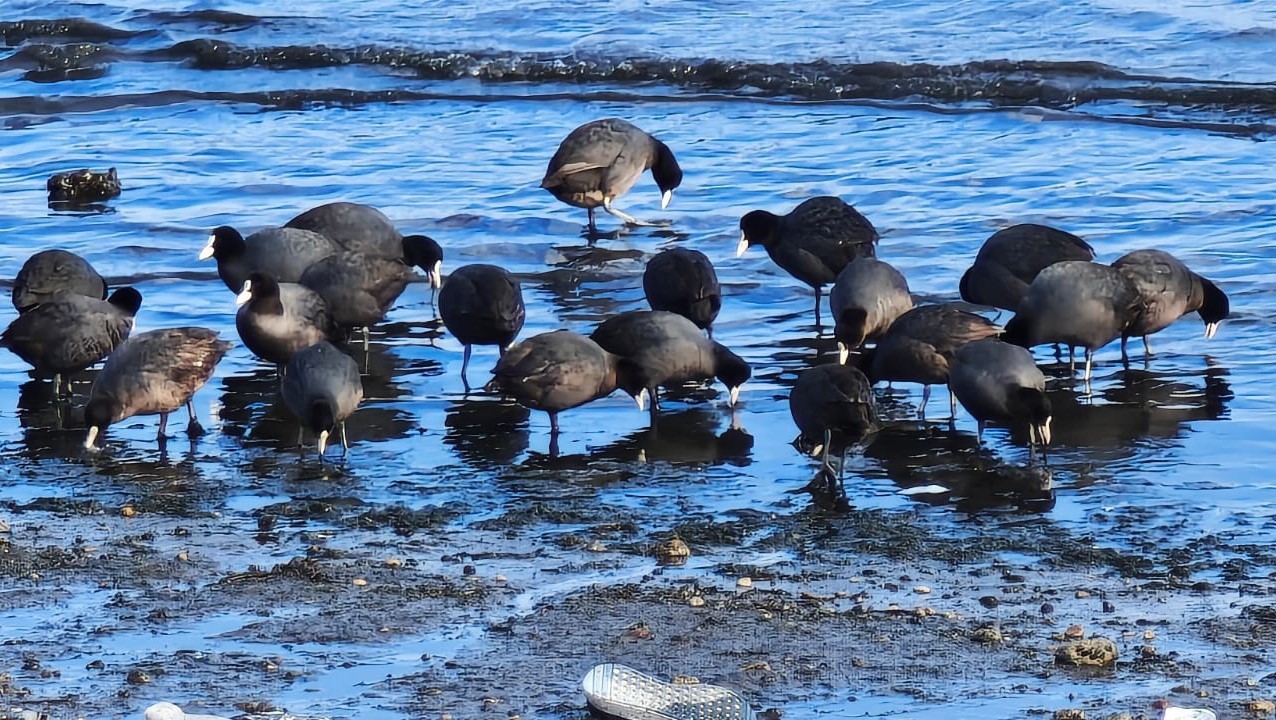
627	694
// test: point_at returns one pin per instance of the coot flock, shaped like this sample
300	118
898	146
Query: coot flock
309	286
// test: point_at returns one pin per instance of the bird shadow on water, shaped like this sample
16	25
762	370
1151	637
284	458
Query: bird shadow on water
687	436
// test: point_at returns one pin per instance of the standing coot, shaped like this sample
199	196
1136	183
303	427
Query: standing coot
153	372
1010	260
49	272
482	305
1168	290
71	332
813	242
997	381
276	319
1077	303
282	253
683	281
665	349
919	347
866	298
599	161
832	404
321	387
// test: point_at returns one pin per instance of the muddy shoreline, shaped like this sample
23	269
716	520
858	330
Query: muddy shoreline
511	611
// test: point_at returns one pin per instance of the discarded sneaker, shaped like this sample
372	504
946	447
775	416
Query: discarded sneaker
624	693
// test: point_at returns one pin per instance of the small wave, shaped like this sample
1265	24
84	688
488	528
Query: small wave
202	17
19	31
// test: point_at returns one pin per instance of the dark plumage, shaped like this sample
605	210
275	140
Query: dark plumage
557	371
482	305
1168	290
355	227
1077	303
601	160
282	253
997	381
358	289
832	403
49	272
322	388
1012	257
276	319
866	298
683	281
666	349
813	242
366	230
919	347
71	332
153	372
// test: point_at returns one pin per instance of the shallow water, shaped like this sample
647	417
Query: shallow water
1159	146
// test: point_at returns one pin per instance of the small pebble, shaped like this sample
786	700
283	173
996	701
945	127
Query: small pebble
1074	632
469	570
1148	652
137	677
393	562
1108	607
1149	634
1261	708
696	601
4	526
989	601
921	590
1046	608
1083	594
1069	714
128	511
183	556
744	582
360	582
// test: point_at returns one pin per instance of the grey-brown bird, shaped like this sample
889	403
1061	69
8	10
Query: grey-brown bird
1168	290
49	272
151	373
600	161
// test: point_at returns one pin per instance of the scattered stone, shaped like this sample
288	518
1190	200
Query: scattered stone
639	631
696	601
1074	632
1069	714
1083	594
673	551
596	546
1108	607
684	680
360	582
989	601
1095	652
469	570
1148	652
744	582
1149	634
1260	708
1046	608
921	590
4	526
394	563
988	635
128	511
137	677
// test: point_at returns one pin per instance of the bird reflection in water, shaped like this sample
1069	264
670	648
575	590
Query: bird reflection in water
685	436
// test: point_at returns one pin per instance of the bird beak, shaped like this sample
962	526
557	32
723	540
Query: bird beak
1210	329
207	252
665	197
843	353
734	396
436	275
742	246
91	438
641	399
322	442
246	294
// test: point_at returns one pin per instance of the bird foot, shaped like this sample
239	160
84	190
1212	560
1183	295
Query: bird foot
194	429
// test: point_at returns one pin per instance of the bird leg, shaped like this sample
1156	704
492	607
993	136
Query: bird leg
952	405
817	310
1124	358
465	364
345	443
1147	346
163	424
592	227
921	412
193	428
1072	359
979	434
627	218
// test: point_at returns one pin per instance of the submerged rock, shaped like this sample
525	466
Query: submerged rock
83	186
